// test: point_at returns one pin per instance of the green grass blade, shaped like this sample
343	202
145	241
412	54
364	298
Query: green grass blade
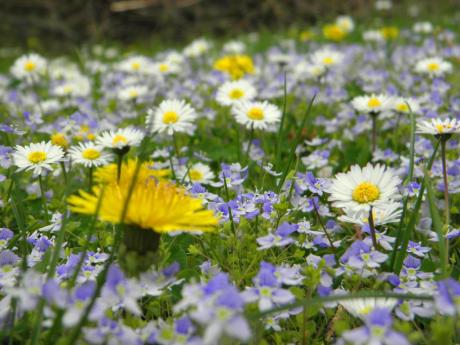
438	227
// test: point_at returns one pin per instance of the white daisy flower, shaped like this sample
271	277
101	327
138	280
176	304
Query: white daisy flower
373	36
174	58
197	48
363	188
327	58
29	67
257	115
423	27
405	105
136	64
232	92
383	5
198	173
121	138
382	214
439	127
234	47
361	307
89	154
373	104
307	70
75	87
346	23
166	67
433	67
132	93
37	156
171	116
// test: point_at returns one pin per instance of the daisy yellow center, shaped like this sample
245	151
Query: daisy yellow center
256	114
67	89
441	128
136	66
365	192
37	156
374	103
328	60
91	154
29	66
433	66
163	67
236	94
402	107
365	310
119	139
195	175
170	117
133	93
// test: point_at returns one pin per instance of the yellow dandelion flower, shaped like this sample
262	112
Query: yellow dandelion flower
334	32
389	32
237	66
154	205
108	173
306	35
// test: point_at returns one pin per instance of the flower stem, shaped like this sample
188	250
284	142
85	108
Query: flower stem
119	162
42	192
90	178
331	243
372	229
64	172
446	184
248	149
374	132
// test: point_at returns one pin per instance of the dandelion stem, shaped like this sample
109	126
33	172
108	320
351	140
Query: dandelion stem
446	184
372	228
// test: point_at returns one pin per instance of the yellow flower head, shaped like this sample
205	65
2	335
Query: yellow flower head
306	35
156	205
390	32
334	32
59	139
108	173
237	66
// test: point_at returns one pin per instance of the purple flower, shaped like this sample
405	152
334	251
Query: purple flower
417	249
279	238
448	297
267	291
377	331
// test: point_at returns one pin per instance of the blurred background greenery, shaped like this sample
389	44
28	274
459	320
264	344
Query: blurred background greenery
58	25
